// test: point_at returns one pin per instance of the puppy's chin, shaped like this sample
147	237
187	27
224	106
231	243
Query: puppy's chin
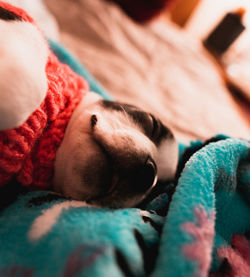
120	198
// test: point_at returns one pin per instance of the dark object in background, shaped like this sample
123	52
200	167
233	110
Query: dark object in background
143	10
226	32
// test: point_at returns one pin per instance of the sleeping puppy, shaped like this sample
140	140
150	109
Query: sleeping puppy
113	154
56	135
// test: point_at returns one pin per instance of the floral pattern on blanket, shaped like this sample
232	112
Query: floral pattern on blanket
195	227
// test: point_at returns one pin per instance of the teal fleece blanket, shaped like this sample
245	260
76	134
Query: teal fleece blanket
197	226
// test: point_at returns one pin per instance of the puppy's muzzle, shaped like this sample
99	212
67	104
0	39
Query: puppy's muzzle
132	167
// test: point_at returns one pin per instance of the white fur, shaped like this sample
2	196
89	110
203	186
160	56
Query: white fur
23	81
118	130
77	147
167	159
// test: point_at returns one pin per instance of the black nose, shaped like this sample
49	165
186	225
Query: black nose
146	175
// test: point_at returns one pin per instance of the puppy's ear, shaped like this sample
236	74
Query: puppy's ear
23	58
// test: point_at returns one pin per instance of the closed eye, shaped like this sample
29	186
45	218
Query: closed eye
159	130
155	126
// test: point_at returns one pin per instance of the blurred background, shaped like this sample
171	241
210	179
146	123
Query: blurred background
208	13
152	54
200	18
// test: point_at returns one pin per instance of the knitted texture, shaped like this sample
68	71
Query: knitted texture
28	151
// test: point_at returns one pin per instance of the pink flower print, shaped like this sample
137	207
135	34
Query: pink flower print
202	232
237	257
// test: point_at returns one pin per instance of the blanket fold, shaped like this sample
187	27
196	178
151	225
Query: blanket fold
204	232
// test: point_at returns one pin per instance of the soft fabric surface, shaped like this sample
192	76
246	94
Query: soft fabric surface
28	151
203	230
157	66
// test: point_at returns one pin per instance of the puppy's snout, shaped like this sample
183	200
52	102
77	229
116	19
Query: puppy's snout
146	176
